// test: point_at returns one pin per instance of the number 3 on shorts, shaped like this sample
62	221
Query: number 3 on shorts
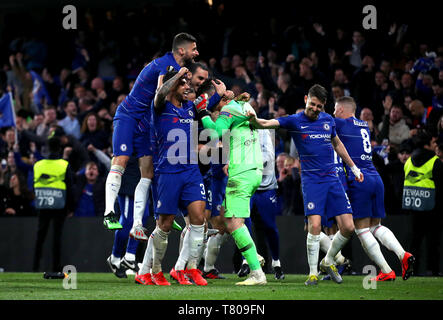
203	189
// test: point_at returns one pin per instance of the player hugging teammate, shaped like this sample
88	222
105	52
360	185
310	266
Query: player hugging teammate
157	123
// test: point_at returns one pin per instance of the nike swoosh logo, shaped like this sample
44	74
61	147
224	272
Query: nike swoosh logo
304	127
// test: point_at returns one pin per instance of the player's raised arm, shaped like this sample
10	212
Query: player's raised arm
262	123
343	153
163	91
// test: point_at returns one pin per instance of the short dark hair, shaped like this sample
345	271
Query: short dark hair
422	138
180	39
54	145
193	66
205	87
319	92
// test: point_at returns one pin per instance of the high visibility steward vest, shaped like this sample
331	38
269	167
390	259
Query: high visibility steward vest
419	187
49	183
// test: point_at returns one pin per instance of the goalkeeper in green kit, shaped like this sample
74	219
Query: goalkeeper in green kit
245	172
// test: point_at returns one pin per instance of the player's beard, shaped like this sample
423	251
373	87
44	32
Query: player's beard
188	61
313	115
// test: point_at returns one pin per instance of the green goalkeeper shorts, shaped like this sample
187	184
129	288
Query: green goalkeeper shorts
239	191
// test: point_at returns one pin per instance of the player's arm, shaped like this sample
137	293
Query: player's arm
160	80
163	91
262	123
220	126
339	147
220	89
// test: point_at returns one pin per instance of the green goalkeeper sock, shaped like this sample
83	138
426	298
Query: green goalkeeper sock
246	246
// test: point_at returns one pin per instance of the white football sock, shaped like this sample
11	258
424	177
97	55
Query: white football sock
140	199
202	249
182	238
313	249
212	250
195	243
325	242
372	249
112	187
338	242
130	256
276	263
160	244
115	260
147	258
184	249
388	239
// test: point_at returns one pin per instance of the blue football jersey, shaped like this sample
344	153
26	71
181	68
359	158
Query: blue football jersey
355	135
177	138
312	139
137	103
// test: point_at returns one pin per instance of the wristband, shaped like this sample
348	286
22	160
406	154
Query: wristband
356	171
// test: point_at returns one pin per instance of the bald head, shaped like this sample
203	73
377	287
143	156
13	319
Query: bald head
417	108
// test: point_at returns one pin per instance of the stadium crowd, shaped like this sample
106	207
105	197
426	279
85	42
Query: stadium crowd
397	82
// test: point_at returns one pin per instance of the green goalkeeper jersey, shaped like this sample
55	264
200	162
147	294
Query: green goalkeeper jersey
245	151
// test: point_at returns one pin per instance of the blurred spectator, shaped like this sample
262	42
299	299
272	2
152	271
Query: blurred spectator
406	86
26	165
341	78
366	115
420	115
437	98
118	88
289	96
7	142
70	123
289	181
16	198
8	169
266	103
89	192
98	87
423	88
49	118
337	91
394	176
357	49
393	127
92	132
440	129
363	85
308	77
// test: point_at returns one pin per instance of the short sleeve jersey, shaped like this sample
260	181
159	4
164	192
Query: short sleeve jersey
312	139
175	131
355	135
137	103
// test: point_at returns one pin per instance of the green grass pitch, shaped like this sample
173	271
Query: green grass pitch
105	286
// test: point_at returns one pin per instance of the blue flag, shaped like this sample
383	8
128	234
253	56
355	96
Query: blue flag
7	113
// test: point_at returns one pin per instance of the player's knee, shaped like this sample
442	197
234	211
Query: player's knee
165	223
347	230
120	161
197	219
